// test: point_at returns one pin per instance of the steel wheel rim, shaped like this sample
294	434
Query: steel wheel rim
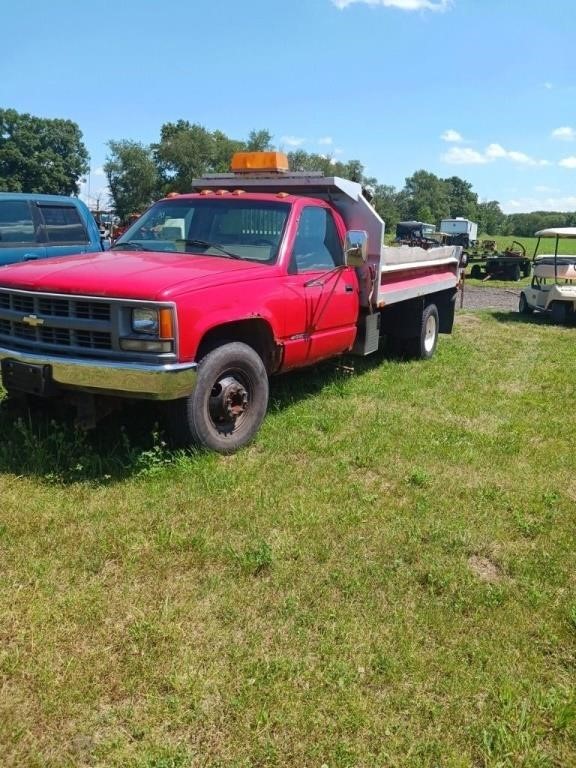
430	333
229	401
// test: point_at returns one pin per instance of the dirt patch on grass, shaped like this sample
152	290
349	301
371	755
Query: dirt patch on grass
485	569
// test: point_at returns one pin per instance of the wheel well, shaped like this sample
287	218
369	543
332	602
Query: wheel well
403	319
255	333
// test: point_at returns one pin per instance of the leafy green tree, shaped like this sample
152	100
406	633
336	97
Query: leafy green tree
461	200
40	155
490	218
299	160
425	197
222	150
385	201
185	151
259	141
132	176
526	224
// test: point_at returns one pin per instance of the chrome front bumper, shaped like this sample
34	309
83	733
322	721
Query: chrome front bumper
153	382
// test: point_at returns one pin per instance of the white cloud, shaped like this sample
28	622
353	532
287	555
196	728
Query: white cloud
565	133
403	5
326	140
568	162
464	156
521	158
527	204
544	188
548	86
98	171
495	150
292	141
450	135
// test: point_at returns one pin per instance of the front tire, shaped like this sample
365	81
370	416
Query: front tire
523	307
228	404
476	272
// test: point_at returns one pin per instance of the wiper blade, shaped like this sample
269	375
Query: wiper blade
206	244
130	245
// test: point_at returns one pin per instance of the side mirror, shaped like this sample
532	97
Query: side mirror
356	248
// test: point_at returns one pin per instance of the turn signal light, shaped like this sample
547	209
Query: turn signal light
166	324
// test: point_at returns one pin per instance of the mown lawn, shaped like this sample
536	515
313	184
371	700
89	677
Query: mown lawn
384	578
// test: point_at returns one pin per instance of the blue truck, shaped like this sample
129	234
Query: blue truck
34	226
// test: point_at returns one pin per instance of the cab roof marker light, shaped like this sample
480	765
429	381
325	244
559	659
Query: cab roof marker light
283	194
207	192
254	162
221	192
238	191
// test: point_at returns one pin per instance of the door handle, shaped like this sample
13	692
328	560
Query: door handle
349	289
29	257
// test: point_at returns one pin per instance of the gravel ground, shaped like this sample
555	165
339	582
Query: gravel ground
476	297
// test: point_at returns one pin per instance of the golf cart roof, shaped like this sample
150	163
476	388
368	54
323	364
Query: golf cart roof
557	232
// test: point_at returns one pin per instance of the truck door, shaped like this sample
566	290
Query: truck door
19	232
322	298
64	230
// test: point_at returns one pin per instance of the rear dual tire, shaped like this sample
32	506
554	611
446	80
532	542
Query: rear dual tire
422	346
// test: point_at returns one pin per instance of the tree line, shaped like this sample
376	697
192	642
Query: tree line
48	156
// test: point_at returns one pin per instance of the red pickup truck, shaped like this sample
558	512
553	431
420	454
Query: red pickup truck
208	294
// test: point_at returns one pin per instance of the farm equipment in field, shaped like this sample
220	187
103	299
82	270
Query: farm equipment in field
511	264
480	250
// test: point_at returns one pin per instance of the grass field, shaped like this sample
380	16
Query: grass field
384	578
546	244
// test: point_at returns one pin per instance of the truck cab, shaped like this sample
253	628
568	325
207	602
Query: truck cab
207	294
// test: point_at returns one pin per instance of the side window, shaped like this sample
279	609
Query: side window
16	224
317	245
63	224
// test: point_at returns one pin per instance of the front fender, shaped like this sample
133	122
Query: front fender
200	313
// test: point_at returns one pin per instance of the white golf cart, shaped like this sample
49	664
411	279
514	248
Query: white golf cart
553	286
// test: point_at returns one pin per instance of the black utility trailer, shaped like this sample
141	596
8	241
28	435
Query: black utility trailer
512	264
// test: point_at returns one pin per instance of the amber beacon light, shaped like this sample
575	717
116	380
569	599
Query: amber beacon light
254	162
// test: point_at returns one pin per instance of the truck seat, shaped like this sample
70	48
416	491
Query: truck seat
173	229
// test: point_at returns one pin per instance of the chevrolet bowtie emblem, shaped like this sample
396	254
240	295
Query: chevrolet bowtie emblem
32	320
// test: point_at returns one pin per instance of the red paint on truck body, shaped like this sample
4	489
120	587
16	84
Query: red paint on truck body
312	316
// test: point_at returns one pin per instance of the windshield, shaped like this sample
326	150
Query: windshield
220	227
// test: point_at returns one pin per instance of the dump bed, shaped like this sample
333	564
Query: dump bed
393	273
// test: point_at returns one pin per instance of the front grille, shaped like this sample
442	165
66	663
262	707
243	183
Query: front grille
22	303
55	323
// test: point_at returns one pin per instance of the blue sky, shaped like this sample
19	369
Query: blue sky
481	89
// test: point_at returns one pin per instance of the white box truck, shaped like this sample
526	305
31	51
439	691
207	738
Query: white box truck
461	231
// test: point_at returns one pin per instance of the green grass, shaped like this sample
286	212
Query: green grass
384	578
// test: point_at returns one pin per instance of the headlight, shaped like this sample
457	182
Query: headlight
145	321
